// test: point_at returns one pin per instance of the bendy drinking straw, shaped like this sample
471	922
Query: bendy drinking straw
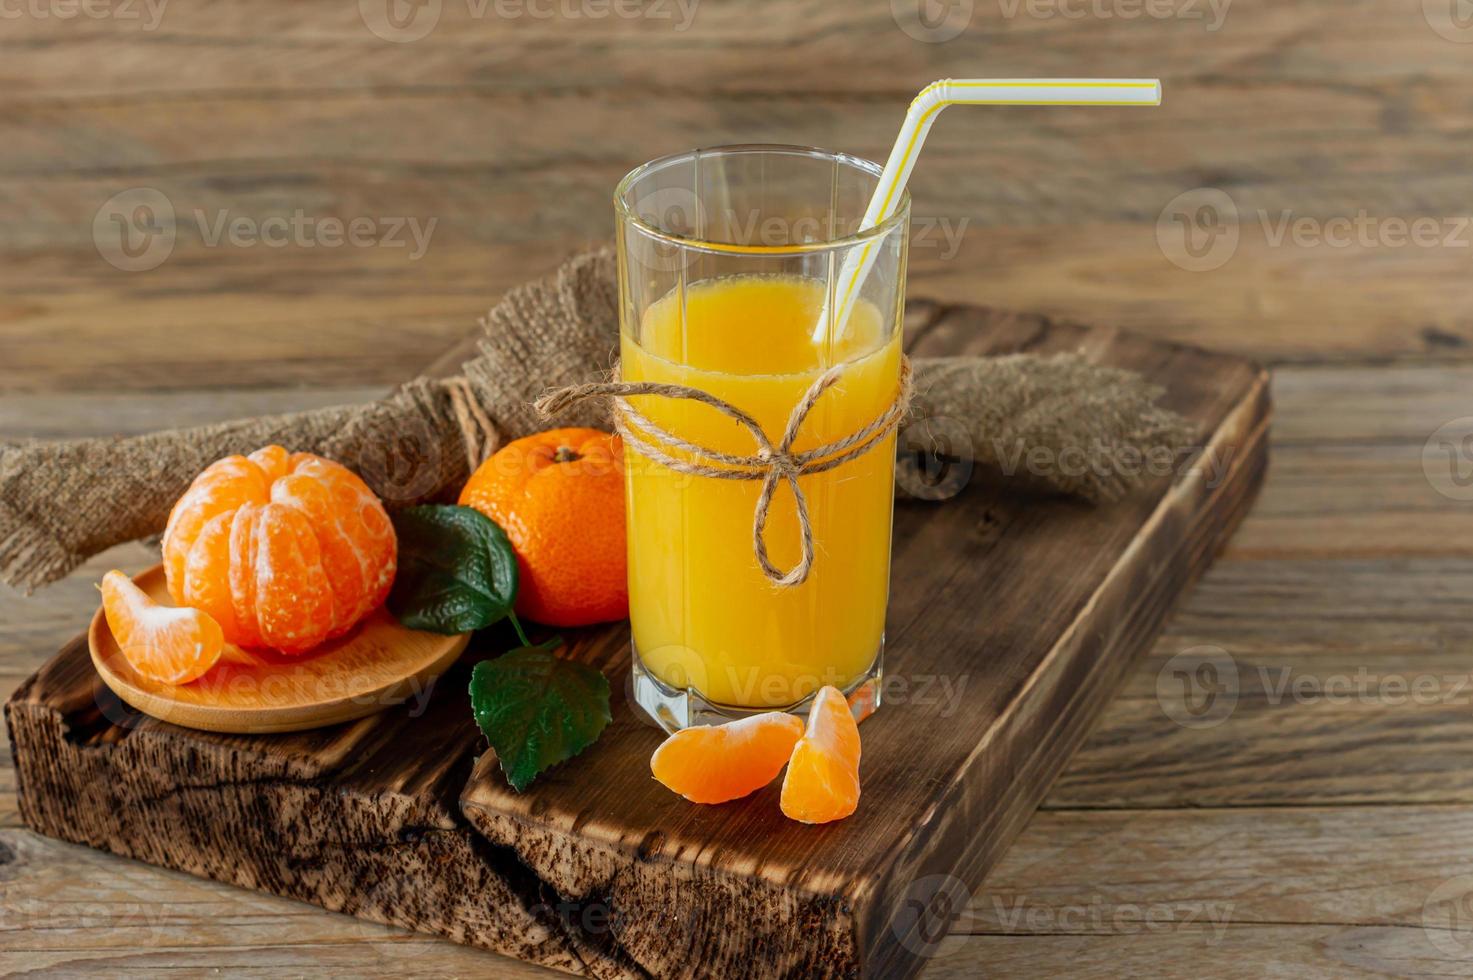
923	111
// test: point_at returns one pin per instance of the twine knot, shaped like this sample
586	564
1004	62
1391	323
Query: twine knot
769	463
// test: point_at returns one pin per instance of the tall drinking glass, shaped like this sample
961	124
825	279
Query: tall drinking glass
730	262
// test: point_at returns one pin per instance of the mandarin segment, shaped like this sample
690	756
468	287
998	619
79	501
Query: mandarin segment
221	489
293	600
286	550
717	763
559	496
164	644
240	571
822	782
205	588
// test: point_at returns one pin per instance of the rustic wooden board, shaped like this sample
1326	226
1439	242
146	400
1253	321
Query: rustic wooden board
1031	607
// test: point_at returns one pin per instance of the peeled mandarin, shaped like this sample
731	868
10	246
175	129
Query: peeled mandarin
717	763
822	783
284	550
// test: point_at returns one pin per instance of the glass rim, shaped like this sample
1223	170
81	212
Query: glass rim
625	212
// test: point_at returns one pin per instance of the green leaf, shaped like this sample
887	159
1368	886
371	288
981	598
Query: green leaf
537	709
457	570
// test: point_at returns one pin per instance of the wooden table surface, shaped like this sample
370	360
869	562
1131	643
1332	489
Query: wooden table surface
1282	786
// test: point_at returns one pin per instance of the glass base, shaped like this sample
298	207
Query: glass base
674	708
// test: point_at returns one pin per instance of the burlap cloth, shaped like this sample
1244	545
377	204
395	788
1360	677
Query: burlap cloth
62	502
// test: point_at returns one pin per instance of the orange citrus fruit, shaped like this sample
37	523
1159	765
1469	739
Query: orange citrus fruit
559	496
173	646
822	783
283	550
716	763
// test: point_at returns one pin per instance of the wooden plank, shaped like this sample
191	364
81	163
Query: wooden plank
1261	888
364	317
805	46
1242	866
1317	952
71	909
397	778
1310	750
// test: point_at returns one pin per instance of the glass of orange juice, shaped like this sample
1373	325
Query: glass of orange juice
730	268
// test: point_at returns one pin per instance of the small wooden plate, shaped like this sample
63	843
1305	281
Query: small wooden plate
378	665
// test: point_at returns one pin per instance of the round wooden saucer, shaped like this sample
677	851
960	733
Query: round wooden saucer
377	665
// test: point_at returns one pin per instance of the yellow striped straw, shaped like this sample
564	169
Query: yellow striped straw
923	111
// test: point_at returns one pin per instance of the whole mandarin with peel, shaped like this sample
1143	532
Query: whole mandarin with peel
559	496
283	550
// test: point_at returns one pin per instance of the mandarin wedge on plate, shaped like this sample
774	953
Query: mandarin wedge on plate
822	783
164	644
717	763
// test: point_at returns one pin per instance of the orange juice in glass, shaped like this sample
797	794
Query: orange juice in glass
729	269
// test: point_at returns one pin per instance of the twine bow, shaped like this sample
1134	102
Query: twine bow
770	463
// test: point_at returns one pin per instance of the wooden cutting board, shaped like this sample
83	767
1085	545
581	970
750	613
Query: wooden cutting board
1013	618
